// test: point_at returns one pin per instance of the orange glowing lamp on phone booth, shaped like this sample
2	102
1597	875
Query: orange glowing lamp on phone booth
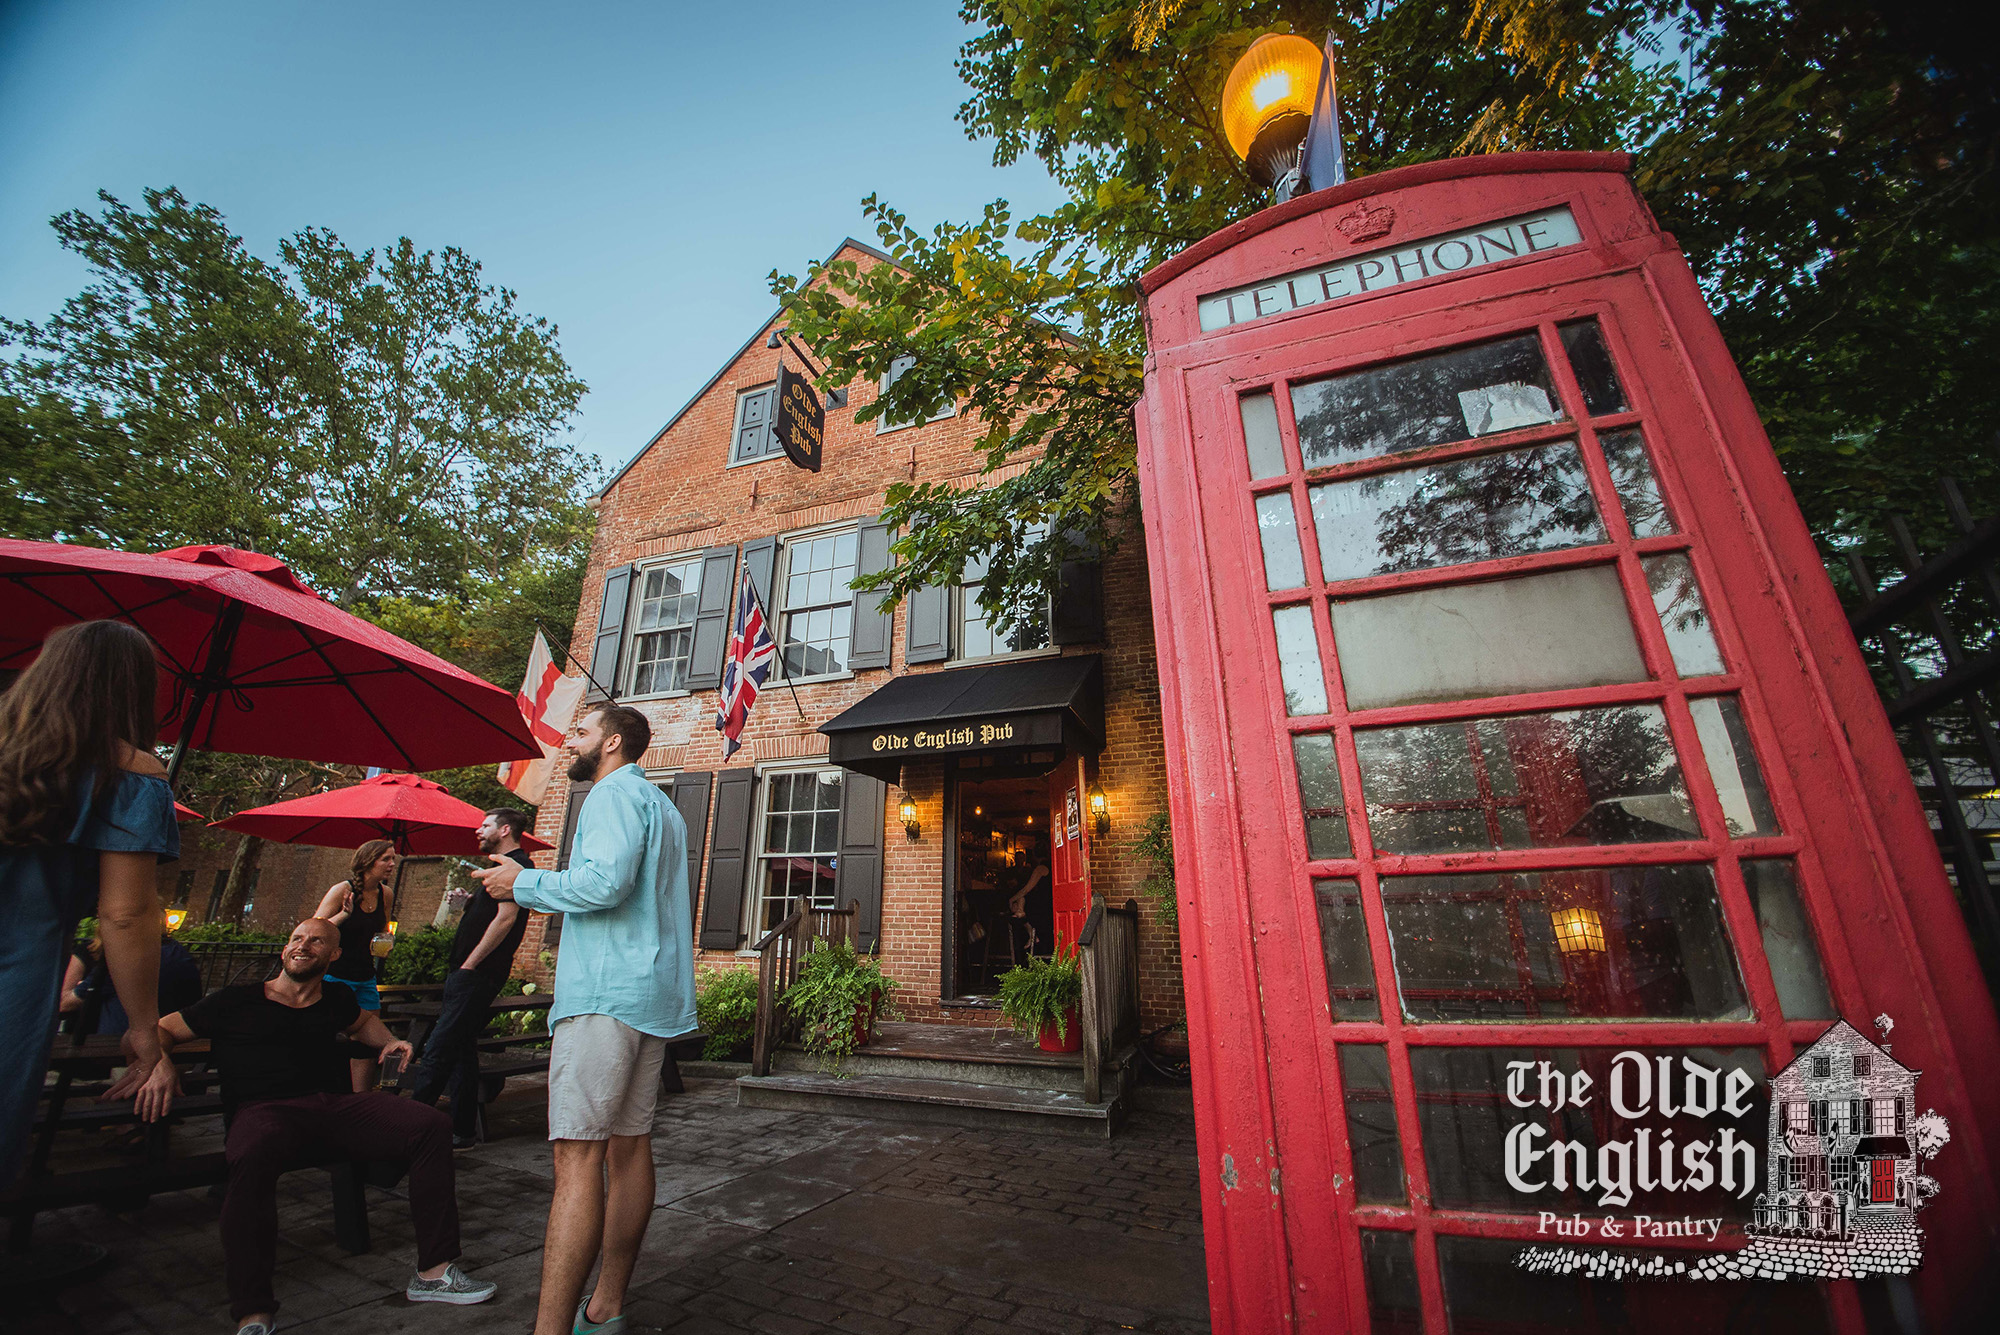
1480	597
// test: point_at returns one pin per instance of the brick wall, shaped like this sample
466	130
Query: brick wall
679	496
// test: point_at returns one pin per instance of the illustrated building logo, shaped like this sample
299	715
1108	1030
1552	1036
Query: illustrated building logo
1843	1181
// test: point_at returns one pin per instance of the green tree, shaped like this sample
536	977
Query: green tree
1812	156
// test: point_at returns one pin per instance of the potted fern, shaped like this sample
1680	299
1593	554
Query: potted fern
1042	999
836	999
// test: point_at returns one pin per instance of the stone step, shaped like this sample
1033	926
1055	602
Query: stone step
1061	1077
944	1102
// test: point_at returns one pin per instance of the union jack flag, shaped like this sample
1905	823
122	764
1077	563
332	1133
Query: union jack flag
751	650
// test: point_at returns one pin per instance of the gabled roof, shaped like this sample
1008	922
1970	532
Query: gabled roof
728	362
1833	1031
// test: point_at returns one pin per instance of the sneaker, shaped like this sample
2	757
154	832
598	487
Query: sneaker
254	1328
585	1326
464	1142
455	1286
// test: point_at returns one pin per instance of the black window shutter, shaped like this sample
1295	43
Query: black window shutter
873	627
728	860
609	643
858	875
753	430
758	559
690	795
1079	609
929	635
713	611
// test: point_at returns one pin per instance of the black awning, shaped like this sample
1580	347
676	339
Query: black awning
1040	703
1882	1147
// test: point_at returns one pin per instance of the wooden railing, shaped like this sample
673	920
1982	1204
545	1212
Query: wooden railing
778	956
1108	947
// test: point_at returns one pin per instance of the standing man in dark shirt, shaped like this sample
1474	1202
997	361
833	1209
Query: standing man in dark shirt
481	954
286	1093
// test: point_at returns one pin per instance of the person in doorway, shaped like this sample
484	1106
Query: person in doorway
361	907
286	1098
1022	917
482	952
85	818
624	986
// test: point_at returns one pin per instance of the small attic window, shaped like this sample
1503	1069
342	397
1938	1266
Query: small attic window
753	438
895	373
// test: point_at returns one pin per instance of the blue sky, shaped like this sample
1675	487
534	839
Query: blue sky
632	170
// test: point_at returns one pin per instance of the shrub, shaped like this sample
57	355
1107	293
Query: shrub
835	983
1156	842
1042	992
227	934
726	1004
419	956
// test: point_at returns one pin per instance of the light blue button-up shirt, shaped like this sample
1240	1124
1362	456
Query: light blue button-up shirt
628	940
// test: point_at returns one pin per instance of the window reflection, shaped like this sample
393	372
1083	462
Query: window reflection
1298	660
1389	1265
1638	488
1430	400
1788	939
1343	935
1371	1124
1642	942
1464	1113
1319	796
1260	435
1582	776
1500	637
1583	342
1471	510
1278	531
1683	615
1732	765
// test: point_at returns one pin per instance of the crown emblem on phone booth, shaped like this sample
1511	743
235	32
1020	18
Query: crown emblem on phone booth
1364	223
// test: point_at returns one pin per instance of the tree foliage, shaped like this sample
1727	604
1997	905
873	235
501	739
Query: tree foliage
1827	165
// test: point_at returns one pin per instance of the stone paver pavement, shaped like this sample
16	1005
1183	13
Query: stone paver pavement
772	1222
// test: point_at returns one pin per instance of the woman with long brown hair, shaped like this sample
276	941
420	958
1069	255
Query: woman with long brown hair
85	817
362	907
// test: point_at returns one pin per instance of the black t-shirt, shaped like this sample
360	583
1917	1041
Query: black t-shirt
472	925
268	1050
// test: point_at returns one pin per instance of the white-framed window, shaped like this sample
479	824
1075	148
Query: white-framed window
815	603
798	840
1798	1116
752	438
664	600
976	635
895	373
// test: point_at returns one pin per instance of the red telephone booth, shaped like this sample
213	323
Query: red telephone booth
1513	724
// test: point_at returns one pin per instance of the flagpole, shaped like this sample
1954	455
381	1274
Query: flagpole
580	667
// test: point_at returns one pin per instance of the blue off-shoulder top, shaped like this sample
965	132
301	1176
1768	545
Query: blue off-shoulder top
136	815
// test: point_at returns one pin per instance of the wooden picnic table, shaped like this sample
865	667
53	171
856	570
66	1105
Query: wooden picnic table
423	1017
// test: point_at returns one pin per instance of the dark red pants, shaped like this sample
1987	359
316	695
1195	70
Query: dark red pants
270	1137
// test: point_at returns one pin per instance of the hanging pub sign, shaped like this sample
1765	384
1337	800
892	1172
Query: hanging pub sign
800	420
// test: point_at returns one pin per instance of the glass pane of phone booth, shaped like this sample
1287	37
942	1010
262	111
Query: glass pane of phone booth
1502	640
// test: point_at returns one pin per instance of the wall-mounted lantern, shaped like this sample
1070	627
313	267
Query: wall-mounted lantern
908	811
1579	931
175	917
1098	810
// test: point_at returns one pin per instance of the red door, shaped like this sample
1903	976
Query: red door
1069	854
1882	1181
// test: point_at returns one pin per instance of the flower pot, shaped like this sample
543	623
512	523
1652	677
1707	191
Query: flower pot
1049	1041
864	1021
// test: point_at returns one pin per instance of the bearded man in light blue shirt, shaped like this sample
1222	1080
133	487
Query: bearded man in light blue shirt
624	986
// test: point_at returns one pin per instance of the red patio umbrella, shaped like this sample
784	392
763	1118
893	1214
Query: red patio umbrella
183	812
416	815
253	662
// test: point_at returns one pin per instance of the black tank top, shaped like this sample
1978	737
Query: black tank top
357	929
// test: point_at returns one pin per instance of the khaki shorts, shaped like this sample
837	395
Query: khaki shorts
604	1079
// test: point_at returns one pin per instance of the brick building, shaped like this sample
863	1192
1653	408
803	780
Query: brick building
998	744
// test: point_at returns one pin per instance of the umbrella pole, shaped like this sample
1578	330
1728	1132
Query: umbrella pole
213	673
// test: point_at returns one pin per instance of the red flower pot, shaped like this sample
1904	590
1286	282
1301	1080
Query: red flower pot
1072	1025
864	1021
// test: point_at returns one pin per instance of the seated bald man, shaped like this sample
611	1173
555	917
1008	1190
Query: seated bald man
288	1094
